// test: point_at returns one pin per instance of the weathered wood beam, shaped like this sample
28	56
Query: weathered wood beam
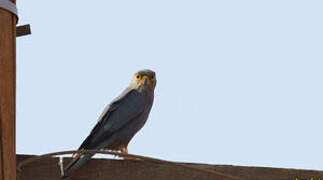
109	169
23	30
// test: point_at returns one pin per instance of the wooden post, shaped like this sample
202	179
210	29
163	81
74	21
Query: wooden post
8	94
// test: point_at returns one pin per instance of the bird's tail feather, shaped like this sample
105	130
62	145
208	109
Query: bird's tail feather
77	164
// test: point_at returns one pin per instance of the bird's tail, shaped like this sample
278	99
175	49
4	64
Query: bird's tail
75	165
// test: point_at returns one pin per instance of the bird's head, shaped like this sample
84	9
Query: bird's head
145	79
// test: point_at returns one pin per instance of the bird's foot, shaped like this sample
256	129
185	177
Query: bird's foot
124	150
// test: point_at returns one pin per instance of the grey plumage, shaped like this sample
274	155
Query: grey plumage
121	119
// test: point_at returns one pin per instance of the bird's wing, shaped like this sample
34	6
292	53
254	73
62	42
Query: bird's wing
121	111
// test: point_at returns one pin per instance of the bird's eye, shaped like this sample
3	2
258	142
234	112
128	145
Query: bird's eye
153	77
137	76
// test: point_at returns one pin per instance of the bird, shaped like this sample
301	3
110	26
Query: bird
120	120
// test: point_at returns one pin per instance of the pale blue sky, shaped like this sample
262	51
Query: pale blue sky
239	82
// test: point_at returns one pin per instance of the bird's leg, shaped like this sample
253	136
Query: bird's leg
124	150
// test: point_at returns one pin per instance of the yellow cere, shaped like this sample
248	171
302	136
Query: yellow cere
145	77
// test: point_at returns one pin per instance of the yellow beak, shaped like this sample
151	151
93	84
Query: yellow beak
145	80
